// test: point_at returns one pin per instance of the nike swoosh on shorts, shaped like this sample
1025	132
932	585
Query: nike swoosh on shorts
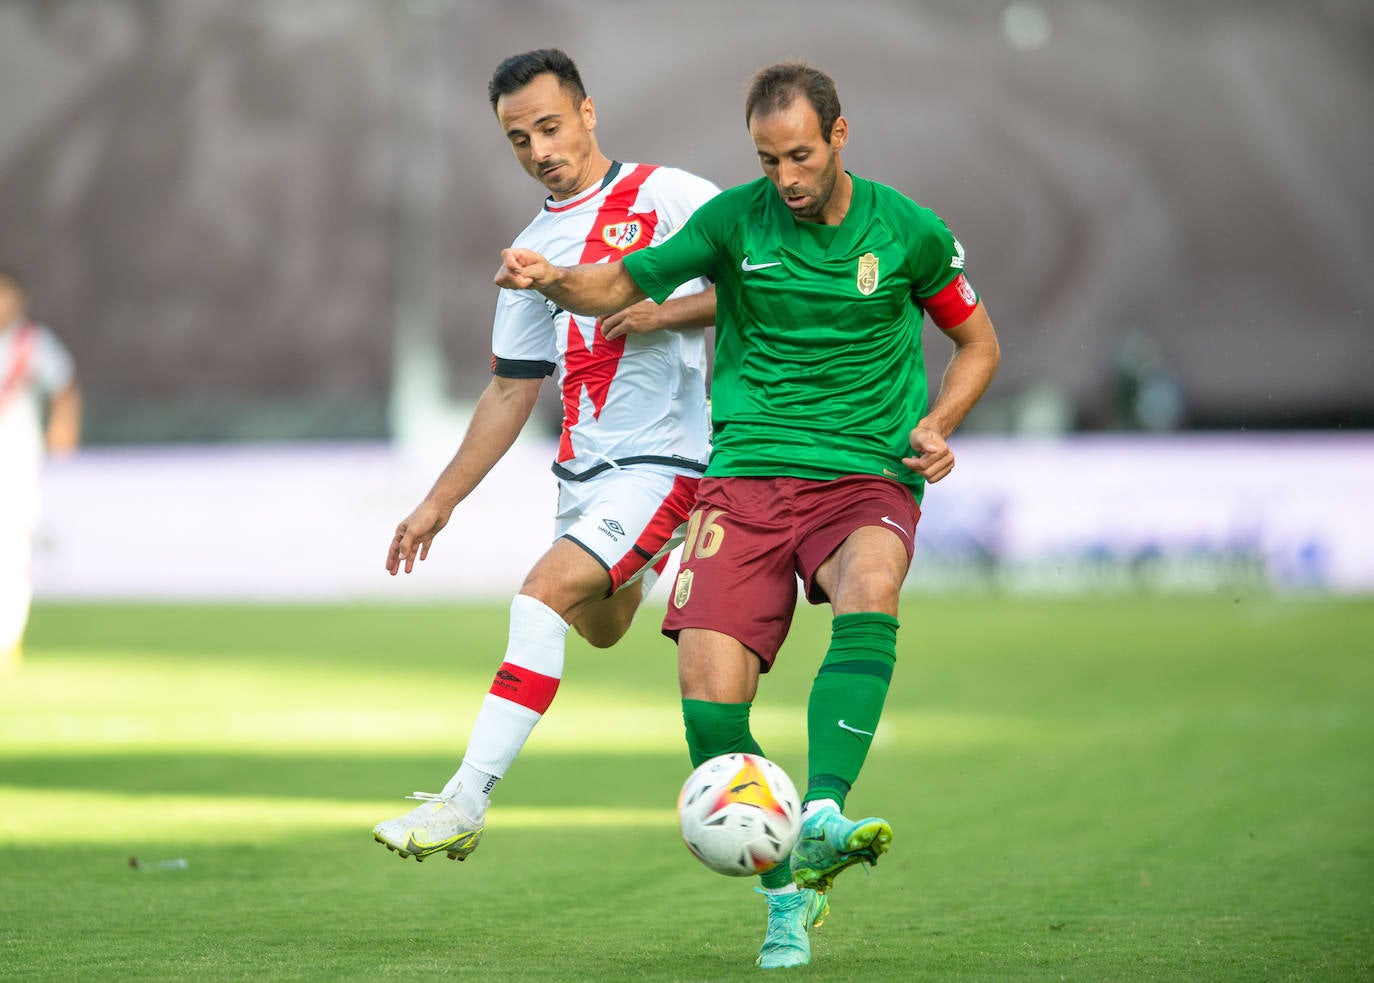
894	525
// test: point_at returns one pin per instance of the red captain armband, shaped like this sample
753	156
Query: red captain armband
953	304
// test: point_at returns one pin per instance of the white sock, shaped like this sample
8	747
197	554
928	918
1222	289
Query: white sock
524	687
785	889
816	805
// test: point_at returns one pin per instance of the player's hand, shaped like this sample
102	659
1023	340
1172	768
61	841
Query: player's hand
522	269
932	459
414	536
638	318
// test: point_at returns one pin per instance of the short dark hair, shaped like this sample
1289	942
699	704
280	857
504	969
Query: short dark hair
773	88
518	71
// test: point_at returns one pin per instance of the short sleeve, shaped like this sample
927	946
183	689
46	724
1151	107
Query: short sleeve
939	284
937	256
53	367
677	195
523	345
688	253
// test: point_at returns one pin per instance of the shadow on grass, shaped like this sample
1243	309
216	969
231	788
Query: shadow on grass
628	780
532	905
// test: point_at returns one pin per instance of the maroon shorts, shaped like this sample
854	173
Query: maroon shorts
749	539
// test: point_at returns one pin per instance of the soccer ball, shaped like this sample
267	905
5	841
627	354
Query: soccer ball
740	814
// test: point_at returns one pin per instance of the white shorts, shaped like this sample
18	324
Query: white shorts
628	518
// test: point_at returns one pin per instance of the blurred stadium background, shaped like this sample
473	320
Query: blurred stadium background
267	232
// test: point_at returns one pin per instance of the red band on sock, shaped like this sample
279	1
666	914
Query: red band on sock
524	686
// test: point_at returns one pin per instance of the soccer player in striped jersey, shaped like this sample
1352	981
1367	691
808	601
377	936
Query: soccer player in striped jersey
635	436
37	381
823	443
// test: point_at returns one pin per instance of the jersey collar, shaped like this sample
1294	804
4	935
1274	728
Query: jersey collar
851	226
562	206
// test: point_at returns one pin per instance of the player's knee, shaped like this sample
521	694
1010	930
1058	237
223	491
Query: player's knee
559	595
872	589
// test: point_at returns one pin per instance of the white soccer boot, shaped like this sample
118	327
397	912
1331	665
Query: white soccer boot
436	824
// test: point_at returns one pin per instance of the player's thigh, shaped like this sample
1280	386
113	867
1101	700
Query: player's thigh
865	573
858	536
567	579
737	576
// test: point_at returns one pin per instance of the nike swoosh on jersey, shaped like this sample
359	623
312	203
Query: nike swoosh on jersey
855	730
749	267
897	527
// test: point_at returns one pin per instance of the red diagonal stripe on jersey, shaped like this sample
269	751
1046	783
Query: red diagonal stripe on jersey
21	354
593	368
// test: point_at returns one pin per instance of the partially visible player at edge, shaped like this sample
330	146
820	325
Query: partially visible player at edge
40	411
823	441
635	434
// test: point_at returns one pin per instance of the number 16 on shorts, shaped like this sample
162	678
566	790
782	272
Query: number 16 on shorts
705	536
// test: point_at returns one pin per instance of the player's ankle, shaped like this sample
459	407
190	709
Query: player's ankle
814	806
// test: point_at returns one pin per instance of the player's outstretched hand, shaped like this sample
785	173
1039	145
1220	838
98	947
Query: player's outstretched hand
522	269
414	536
638	318
933	458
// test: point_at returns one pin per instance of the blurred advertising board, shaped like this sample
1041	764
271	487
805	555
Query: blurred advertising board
291	522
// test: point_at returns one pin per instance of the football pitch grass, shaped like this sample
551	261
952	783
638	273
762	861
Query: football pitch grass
1088	789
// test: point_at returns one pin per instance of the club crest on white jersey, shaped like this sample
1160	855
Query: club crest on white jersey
641	396
623	235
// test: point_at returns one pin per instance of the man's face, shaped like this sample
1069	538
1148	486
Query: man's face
801	162
550	134
11	304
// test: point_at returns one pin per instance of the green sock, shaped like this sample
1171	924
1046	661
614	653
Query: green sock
847	700
779	876
723	728
717	728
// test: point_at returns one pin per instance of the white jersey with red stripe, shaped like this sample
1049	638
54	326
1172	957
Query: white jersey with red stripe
34	365
640	398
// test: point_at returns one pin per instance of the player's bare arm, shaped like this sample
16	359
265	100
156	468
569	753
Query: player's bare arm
501	414
680	313
967	376
63	433
591	288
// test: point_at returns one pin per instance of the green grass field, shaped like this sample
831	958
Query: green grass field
1093	789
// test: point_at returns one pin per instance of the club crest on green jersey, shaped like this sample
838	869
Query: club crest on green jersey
868	273
622	235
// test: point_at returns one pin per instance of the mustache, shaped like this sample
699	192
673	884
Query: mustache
545	168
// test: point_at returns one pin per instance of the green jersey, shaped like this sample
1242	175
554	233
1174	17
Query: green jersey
819	371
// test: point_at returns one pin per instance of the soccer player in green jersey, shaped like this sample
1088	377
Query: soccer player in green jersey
823	442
